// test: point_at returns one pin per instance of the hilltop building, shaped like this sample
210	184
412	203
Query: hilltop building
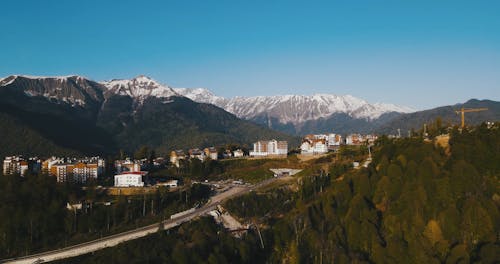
272	147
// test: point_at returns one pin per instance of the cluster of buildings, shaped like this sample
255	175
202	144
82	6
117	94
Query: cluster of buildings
319	144
208	153
77	170
322	143
358	139
130	173
264	148
64	169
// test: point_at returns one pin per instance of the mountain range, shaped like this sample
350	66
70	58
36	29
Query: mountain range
300	114
73	114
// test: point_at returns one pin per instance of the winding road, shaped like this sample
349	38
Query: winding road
113	240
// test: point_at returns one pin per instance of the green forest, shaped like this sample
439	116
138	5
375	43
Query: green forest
416	202
34	217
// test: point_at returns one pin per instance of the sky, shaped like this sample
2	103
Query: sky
420	54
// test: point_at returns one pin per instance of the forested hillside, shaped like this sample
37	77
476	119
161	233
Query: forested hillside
416	120
415	203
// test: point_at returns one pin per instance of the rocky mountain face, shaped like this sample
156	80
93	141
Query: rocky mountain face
73	90
59	111
82	95
73	114
301	114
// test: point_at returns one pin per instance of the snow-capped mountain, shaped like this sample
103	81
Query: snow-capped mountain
139	88
294	109
74	115
74	90
202	95
295	114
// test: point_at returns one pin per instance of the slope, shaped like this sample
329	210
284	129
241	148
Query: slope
176	122
446	114
303	114
59	112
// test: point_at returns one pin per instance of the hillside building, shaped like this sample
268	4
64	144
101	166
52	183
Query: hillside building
211	153
269	148
176	156
20	165
313	146
238	153
129	179
334	141
75	170
196	153
127	165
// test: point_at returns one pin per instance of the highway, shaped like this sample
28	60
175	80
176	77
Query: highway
113	240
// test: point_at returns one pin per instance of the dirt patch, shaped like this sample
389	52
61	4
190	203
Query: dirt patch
130	190
305	158
443	141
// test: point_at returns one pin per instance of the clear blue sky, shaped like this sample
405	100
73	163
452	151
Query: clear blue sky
416	53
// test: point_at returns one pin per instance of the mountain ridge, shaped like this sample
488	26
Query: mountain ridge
327	104
119	111
74	114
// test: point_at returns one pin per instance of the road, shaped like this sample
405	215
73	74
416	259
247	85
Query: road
113	240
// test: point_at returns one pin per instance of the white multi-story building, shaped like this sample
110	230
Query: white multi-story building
75	170
334	140
20	165
15	164
272	147
129	179
313	146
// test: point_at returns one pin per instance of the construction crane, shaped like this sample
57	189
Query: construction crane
468	110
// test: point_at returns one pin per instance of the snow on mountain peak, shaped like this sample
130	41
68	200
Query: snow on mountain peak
294	109
201	95
9	79
139	87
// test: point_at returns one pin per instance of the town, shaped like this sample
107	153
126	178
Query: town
131	172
